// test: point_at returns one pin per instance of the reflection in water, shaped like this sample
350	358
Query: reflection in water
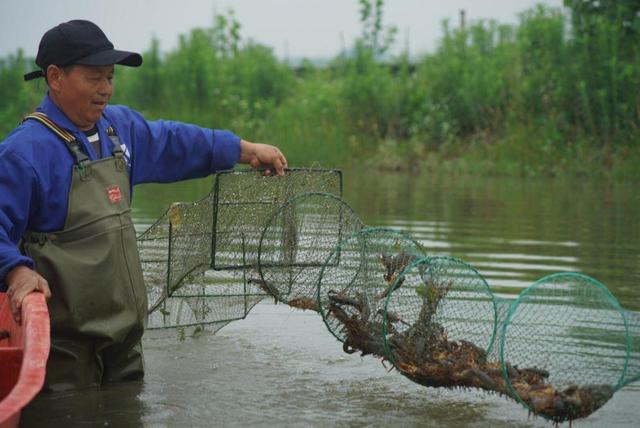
282	367
526	227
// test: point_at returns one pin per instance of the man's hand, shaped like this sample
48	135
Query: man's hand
21	281
263	156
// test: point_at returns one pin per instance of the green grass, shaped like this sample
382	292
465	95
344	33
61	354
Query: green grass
556	94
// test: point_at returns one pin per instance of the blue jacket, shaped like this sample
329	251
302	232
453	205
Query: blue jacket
35	167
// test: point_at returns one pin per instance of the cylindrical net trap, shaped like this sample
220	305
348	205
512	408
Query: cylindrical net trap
440	324
296	241
355	280
565	346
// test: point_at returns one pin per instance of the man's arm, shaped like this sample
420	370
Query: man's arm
166	151
17	185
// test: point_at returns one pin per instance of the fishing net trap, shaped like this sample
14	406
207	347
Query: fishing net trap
356	278
200	259
295	243
562	348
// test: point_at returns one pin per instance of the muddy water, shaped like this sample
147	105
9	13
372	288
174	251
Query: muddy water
281	367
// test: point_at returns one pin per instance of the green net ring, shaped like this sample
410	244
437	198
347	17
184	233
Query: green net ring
438	299
570	334
354	278
295	242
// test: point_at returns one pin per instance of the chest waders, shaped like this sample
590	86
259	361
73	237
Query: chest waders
98	304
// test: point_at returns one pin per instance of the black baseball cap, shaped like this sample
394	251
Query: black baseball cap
78	42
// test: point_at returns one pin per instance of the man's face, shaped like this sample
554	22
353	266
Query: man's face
82	92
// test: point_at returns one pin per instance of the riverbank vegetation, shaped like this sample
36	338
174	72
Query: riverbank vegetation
557	93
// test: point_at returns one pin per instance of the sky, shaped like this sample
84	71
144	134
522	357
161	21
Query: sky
312	29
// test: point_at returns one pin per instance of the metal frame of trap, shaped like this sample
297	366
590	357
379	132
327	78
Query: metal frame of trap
248	235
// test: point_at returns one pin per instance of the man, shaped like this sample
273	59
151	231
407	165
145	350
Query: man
66	175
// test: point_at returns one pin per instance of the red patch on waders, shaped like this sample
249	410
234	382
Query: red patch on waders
114	194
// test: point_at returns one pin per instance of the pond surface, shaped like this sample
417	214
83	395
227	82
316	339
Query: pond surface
281	367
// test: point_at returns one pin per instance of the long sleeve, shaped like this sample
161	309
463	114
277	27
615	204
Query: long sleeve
17	191
166	151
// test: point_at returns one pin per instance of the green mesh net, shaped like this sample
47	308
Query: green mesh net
356	278
296	241
197	277
569	329
561	348
244	202
429	309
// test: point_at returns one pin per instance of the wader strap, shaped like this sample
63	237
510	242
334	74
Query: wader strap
117	151
115	141
79	157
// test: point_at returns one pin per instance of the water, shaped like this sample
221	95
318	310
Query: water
281	367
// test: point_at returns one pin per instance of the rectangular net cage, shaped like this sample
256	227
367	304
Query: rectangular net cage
200	259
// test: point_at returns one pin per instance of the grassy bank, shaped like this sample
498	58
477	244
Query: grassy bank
556	94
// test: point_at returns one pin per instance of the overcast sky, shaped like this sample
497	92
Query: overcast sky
299	28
